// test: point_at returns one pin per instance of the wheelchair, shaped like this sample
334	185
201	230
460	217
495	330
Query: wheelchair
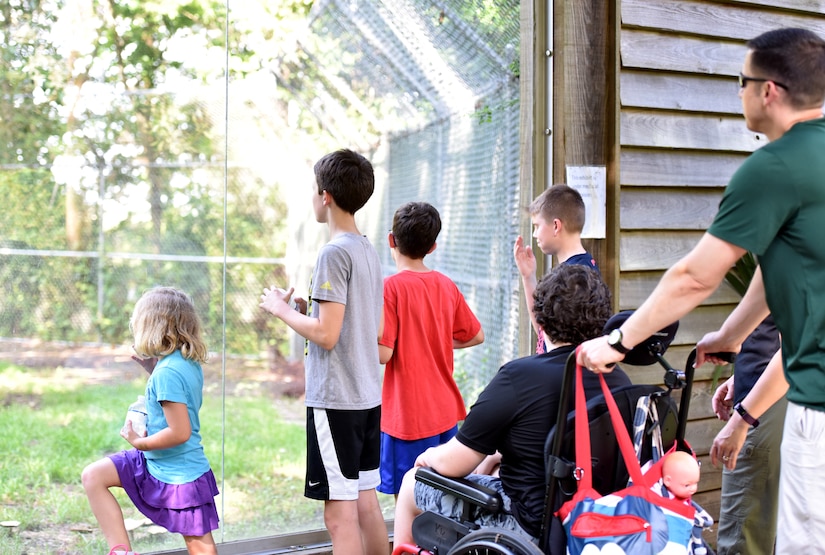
435	534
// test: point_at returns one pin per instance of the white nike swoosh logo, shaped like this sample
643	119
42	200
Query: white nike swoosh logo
313	484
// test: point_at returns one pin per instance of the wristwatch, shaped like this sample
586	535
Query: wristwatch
615	341
746	415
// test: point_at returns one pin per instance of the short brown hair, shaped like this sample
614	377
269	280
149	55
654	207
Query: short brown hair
794	57
571	304
416	226
562	202
347	176
163	321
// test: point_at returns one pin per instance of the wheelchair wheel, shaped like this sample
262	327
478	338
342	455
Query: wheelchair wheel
494	541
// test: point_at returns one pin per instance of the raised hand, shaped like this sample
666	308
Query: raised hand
524	257
147	364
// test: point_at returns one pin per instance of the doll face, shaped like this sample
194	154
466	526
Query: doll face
680	474
682	481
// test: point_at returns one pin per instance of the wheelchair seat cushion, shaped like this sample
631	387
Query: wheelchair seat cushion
430	499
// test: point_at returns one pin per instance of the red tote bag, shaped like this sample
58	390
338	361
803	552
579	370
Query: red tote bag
634	520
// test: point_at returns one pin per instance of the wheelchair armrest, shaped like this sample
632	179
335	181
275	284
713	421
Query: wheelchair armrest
460	487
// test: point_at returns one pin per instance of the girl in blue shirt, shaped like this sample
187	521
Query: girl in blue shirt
166	474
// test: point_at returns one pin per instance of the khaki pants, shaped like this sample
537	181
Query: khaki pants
801	523
750	492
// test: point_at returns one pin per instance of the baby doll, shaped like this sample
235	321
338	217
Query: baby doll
680	477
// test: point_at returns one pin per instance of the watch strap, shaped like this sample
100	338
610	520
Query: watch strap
746	415
617	342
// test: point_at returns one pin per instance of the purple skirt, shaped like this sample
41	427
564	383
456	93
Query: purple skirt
187	509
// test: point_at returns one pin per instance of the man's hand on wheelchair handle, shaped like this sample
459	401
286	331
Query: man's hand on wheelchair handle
712	344
596	355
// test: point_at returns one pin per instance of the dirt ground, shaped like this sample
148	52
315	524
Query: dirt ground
268	375
100	364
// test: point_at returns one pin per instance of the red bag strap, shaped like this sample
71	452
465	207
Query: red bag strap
583	456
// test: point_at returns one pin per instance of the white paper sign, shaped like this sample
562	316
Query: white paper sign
591	183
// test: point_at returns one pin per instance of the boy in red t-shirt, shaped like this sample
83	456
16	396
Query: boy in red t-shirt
425	318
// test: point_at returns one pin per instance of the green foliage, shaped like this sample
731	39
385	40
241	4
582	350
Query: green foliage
739	277
33	215
130	139
28	87
515	68
485	113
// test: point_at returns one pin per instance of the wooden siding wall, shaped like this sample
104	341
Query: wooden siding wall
682	135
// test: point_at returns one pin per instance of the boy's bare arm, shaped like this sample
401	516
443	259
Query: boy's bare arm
526	264
324	331
450	459
479	338
384	353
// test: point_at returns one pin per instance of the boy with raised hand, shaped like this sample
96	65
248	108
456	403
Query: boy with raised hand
425	318
343	375
558	219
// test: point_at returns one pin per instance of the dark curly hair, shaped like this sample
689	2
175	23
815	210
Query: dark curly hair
572	304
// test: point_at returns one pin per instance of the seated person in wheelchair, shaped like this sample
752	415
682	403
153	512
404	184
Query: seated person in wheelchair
515	413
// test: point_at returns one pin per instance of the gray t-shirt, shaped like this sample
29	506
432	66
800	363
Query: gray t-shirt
348	376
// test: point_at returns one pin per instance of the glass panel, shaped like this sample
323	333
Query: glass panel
172	142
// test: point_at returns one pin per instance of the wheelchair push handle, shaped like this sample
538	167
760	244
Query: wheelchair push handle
686	381
728	358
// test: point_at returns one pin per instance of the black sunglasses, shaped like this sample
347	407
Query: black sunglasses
743	81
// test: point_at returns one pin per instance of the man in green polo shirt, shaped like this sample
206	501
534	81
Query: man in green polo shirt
773	206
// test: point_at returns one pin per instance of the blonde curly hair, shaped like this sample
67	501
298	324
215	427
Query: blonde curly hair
163	321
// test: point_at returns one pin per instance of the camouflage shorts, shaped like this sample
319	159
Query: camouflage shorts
428	498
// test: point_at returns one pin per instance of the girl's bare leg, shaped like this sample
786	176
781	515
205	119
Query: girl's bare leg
201	545
97	478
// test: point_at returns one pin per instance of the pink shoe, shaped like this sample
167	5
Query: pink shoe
116	550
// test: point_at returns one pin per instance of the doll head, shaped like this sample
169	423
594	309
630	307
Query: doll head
680	474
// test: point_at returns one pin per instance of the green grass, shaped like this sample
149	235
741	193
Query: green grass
49	431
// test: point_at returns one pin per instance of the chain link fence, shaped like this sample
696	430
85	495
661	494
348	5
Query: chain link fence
89	233
450	71
86	296
206	187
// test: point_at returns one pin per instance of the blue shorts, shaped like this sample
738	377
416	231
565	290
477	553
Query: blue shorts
398	456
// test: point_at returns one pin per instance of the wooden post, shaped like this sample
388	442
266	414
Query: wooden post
585	111
535	120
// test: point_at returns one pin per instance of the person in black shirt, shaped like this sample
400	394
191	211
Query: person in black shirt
515	412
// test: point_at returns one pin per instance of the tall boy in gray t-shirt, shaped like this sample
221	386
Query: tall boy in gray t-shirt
342	324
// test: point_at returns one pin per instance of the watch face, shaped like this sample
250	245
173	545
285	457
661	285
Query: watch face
615	341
